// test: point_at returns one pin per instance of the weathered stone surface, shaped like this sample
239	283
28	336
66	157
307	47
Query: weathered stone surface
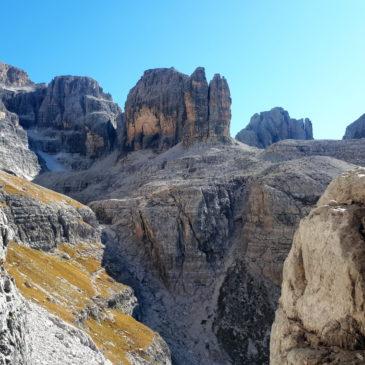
356	129
203	231
70	122
320	317
53	341
166	107
79	108
42	218
11	76
155	110
56	262
272	126
13	332
352	151
219	107
15	155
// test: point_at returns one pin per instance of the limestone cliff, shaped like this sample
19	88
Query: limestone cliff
320	319
69	122
272	126
167	107
16	156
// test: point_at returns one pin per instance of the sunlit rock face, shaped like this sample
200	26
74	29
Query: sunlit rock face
272	126
167	107
11	76
320	319
15	154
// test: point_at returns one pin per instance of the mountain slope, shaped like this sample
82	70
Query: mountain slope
54	254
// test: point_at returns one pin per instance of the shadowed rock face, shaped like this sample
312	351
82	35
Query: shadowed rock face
11	76
356	129
167	107
272	126
72	116
85	114
320	318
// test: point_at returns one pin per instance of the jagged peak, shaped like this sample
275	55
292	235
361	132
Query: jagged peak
13	76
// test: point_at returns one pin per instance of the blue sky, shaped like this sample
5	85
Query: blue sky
307	56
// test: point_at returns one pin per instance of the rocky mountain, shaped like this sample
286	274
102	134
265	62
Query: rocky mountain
13	77
229	213
166	107
65	308
69	122
198	224
320	316
272	126
356	129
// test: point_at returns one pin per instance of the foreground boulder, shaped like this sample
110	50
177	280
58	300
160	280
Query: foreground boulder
320	319
167	107
272	126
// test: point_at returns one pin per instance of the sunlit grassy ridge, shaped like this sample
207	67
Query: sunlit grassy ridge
15	185
65	281
68	280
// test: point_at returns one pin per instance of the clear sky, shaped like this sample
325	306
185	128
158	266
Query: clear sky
307	56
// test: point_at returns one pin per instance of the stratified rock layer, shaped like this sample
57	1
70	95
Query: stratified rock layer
15	155
70	309
320	319
70	122
356	129
272	126
167	107
352	151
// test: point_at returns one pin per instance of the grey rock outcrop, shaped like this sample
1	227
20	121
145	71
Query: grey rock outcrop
272	126
80	115
15	155
70	122
13	332
42	218
11	76
167	107
356	129
352	151
53	341
320	317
